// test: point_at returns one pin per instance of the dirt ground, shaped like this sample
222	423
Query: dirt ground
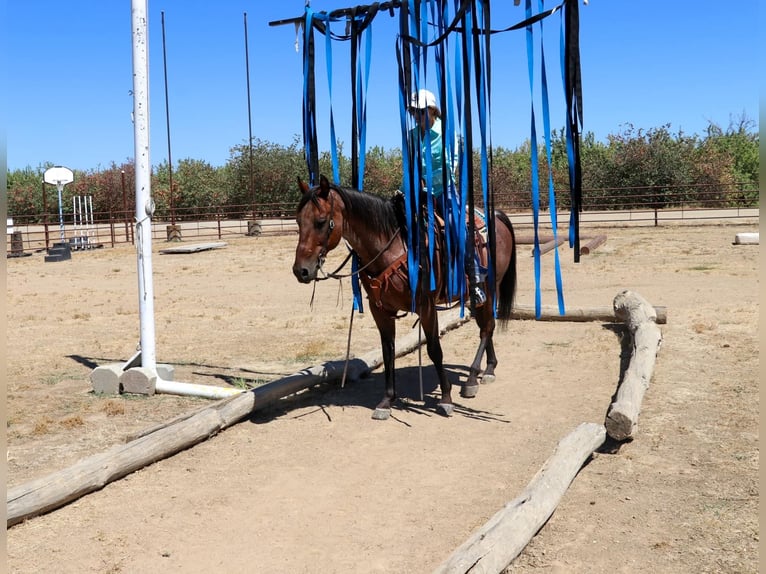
314	485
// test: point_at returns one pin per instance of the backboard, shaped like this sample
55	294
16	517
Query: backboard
58	175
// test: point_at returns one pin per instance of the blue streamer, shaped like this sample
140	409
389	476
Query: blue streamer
551	191
533	162
309	125
569	137
333	138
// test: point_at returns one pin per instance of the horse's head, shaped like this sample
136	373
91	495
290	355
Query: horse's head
319	228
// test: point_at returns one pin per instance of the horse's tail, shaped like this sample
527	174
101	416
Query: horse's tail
507	290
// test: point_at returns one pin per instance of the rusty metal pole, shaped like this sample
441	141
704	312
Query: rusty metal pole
125	206
45	216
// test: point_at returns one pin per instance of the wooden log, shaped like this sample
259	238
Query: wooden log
550	245
592	244
493	546
606	314
44	494
640	318
530	239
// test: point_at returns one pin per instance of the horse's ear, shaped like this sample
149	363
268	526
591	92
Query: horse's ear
324	187
304	187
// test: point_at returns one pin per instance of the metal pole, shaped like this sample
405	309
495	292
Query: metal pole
249	120
144	202
167	121
60	188
45	215
125	205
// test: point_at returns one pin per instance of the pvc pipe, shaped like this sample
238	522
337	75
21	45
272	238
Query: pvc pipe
144	203
194	390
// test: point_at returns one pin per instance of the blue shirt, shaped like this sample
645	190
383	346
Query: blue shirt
435	136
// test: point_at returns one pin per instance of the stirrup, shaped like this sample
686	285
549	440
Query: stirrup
478	298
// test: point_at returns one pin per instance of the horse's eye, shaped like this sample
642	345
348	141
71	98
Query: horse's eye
320	223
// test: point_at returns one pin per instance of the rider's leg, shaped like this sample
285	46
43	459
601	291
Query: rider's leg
475	279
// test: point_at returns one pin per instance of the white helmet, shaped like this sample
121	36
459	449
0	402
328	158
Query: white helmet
424	99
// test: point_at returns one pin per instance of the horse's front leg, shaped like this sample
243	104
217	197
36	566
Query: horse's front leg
387	328
430	322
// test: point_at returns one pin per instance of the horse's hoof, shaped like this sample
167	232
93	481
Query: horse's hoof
469	391
381	414
487	379
445	409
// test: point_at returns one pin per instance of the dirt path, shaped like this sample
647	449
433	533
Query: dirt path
317	486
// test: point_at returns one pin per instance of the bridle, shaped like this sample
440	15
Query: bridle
326	242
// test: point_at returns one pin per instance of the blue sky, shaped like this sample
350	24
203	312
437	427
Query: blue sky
69	75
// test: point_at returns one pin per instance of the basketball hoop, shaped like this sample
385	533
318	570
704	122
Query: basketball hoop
59	176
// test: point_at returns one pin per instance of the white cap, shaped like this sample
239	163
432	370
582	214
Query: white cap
424	99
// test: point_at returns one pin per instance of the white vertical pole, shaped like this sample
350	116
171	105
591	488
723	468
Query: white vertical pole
143	166
91	227
60	188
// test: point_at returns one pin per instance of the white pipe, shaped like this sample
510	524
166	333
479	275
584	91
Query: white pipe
194	390
145	211
144	203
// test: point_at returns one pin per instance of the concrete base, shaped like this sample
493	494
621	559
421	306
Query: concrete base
138	381
108	379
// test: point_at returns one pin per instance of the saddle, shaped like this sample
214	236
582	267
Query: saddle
396	276
480	246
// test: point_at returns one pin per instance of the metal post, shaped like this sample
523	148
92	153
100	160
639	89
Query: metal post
45	215
143	166
60	188
249	121
167	122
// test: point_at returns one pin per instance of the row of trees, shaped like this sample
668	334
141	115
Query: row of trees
668	166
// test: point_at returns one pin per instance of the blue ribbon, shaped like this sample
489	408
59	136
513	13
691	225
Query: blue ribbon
533	162
551	191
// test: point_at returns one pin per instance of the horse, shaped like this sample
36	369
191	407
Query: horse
375	230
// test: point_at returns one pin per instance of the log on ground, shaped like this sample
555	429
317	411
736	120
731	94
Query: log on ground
47	493
592	244
502	538
606	314
640	319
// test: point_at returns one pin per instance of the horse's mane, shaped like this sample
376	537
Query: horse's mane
381	215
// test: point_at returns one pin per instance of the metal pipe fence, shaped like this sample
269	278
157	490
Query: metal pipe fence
642	206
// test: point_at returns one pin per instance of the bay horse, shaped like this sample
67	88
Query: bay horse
374	231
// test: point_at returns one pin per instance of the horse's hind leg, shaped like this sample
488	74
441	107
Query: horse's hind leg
489	372
486	322
430	322
471	386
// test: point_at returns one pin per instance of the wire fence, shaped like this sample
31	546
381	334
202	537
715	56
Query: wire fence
637	206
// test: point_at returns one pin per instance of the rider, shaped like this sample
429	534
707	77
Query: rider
427	115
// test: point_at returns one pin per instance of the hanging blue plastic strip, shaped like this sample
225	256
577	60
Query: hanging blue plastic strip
362	76
551	191
363	102
483	107
425	143
309	128
402	56
569	138
533	163
333	138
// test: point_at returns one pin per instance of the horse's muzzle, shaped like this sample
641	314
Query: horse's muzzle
304	274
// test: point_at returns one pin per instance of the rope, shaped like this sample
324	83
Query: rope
348	349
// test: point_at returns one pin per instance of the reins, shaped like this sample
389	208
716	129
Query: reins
335	275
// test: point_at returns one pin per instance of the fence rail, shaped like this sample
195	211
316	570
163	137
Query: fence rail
643	206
